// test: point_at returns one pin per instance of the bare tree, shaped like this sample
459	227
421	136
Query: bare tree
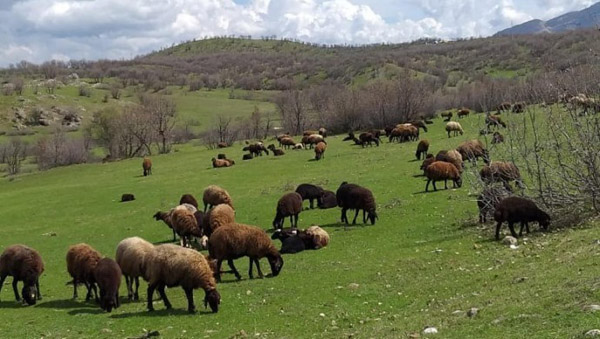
161	113
13	154
292	107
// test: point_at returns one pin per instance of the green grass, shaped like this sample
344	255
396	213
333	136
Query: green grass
423	260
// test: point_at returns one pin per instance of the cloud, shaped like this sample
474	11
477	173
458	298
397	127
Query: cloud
38	30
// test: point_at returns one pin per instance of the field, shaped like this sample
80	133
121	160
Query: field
425	263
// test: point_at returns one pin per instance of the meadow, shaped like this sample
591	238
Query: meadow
424	263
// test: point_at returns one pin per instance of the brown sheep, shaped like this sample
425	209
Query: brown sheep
188	199
309	133
420	124
518	107
441	170
505	106
354	197
81	263
107	275
215	195
320	150
23	264
147	166
287	142
463	113
276	151
472	150
494	121
289	205
313	140
429	159
501	171
234	241
216	217
368	138
218	163
497	138
185	225
451	156
222	144
517	209
422	148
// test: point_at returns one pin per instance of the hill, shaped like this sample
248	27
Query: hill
586	18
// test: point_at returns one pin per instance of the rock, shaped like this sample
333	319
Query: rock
519	280
322	315
353	286
106	330
509	240
593	333
430	330
514	247
458	312
472	312
591	308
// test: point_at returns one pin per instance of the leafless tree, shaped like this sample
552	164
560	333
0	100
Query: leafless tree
13	154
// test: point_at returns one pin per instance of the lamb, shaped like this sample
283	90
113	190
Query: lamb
222	144
320	150
497	138
218	163
23	264
127	197
147	166
81	263
166	216
517	209
367	139
463	113
108	277
455	127
429	159
276	151
354	197
441	170
185	224
132	256
501	171
318	235
488	200
472	150
289	205
451	156
188	199
328	200
247	156
234	241
216	217
310	192
404	133
422	148
171	265
353	138
214	195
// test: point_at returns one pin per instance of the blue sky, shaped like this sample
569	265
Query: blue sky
39	30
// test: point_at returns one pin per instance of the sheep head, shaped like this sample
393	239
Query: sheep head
213	299
276	262
29	293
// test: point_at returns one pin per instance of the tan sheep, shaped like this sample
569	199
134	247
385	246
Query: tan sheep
473	149
81	263
320	236
132	255
441	170
214	195
320	150
451	156
502	171
218	163
455	127
218	216
287	142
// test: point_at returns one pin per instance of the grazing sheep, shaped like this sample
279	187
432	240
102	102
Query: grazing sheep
218	163
291	242
132	255
310	192
171	266
451	156
313	140
234	241
429	159
319	236
222	144
420	124
354	197
463	113
441	170
497	138
472	150
328	200
287	142
501	171
505	106
289	205
422	148
185	224
517	209
367	139
247	156
276	151
147	166
309	133
127	197
108	277
281	137
518	107
404	132
495	121
216	217
23	264
488	200
188	199
320	150
353	138
447	116
256	149
81	263
214	195
166	216
455	127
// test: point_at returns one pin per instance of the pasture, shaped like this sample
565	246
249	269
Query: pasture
425	262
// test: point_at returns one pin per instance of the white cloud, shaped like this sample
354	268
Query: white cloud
37	30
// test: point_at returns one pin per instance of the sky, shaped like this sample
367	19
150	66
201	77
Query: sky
41	30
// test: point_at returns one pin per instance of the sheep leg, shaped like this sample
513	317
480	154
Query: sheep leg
218	271
150	293
95	291
446	184
163	295
296	220
355	215
88	296
260	273
233	269
344	216
311	203
434	188
137	287
14	285
128	284
427	186
74	288
174	235
37	289
498	230
189	293
364	216
2	278
512	229
250	269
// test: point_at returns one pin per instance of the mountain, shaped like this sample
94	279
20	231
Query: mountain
586	18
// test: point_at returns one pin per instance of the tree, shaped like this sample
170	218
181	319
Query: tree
13	154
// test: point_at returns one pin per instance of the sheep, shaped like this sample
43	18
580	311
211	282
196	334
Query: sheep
404	132
318	235
281	137
185	224
247	156
429	159
497	138
216	217
214	195
353	138
81	263
447	115
289	205
422	148
472	150
328	200
488	200
218	163
501	171
171	266
23	264
492	120
108	277
368	138
256	149
235	240
310	192
287	142
147	166
518	107
313	140
351	196
320	150
420	124
127	197
166	216
441	170
132	255
276	151
323	132
291	242
505	106
451	156
517	209
188	199
309	133
463	113
298	146
455	127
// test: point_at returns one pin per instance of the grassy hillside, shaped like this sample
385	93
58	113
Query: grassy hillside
423	261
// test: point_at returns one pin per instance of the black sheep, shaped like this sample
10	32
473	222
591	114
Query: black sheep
23	264
290	205
127	197
328	200
108	277
290	243
248	156
516	209
354	197
310	192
